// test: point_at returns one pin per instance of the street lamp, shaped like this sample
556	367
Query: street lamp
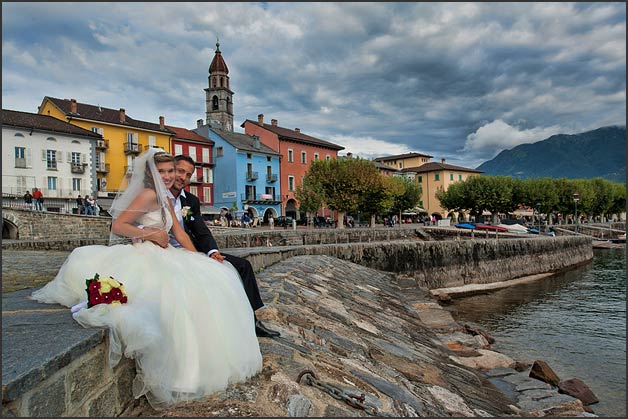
576	198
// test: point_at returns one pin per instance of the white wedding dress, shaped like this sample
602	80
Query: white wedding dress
188	323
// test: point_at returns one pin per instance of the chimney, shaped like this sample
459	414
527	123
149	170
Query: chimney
273	122
199	123
73	107
161	122
442	160
122	115
260	119
297	130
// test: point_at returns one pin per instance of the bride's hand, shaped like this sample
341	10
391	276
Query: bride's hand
157	236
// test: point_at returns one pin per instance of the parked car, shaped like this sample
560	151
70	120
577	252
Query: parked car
283	221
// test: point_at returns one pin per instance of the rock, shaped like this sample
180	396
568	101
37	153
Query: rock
452	403
542	371
576	388
567	408
299	406
477	331
487	360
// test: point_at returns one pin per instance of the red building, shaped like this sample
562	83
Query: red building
199	148
297	151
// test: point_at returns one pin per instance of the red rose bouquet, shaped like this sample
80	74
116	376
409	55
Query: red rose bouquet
104	290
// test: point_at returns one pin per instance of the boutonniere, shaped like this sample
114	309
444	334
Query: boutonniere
186	213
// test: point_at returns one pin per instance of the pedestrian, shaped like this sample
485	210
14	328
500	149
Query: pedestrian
96	208
38	197
80	205
28	199
89	205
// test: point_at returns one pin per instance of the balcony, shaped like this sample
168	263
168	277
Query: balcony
102	167
78	168
271	177
196	179
252	175
132	148
268	199
21	163
102	144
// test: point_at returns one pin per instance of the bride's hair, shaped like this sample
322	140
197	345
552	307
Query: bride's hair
143	174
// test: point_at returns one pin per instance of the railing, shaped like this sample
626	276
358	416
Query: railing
21	163
271	177
132	148
257	197
77	168
252	175
102	144
102	167
197	179
51	204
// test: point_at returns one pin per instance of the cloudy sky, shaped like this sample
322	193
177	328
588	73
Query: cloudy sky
460	81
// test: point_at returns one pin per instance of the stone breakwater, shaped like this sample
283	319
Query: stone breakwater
370	334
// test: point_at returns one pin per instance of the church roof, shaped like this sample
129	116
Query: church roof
218	64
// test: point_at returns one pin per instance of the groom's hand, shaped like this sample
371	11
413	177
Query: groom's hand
217	256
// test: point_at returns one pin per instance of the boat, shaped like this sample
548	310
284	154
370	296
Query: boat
468	226
489	227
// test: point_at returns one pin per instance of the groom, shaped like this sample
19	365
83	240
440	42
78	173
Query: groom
204	240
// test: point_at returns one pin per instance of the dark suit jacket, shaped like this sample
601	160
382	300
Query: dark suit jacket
197	229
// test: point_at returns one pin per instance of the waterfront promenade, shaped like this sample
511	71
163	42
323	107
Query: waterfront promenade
335	318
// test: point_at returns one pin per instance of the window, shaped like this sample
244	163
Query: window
207	194
219	152
268	158
51	160
129	137
436	177
269	171
152	141
192	153
291	183
327	157
75	158
421	203
178	149
459	177
290	156
451	176
53	139
194	190
249	156
250	192
249	169
98	130
315	156
215	103
401	165
18	134
76	184
207	175
205	155
20	157
420	179
303	157
52	183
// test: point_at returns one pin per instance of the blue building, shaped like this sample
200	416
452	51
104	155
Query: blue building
246	174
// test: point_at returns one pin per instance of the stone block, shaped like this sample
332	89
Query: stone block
578	389
542	371
299	406
124	373
104	404
47	400
89	372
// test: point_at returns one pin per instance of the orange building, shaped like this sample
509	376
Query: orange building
297	151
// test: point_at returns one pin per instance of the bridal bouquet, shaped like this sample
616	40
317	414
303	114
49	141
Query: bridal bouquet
104	290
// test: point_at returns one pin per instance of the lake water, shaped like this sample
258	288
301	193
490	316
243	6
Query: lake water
575	321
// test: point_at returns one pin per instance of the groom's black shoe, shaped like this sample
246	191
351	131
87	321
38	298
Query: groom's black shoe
263	331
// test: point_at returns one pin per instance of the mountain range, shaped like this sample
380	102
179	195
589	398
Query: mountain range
597	153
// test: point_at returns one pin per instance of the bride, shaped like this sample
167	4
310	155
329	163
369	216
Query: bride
187	322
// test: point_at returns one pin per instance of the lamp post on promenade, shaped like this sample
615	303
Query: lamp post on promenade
576	198
538	213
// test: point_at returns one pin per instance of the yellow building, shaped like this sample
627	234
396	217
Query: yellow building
124	138
401	161
433	176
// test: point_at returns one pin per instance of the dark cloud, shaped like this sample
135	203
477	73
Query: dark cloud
456	80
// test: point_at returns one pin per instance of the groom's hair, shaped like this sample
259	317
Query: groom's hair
181	157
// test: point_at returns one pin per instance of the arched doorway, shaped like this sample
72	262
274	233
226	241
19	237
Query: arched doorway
291	209
9	230
270	212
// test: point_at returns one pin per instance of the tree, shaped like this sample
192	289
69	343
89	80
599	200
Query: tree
410	196
310	196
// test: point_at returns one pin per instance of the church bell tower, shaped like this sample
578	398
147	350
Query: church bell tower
218	96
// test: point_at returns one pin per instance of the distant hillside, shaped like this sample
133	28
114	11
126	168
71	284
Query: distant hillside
597	153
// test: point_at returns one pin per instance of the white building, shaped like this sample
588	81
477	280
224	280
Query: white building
43	152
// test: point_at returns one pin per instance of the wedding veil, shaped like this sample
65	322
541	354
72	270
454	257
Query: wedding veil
141	175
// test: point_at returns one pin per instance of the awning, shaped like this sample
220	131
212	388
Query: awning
209	209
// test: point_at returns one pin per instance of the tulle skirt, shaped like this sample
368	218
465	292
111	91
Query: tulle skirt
187	323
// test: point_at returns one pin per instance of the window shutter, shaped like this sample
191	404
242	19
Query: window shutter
43	155
60	156
68	156
44	184
29	161
135	138
101	131
83	158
